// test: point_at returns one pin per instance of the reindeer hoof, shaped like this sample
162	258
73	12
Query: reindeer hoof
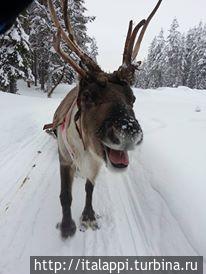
89	219
83	226
67	229
94	225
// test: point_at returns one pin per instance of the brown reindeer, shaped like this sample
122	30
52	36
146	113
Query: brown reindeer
95	123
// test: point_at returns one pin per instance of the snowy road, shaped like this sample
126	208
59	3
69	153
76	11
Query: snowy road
155	208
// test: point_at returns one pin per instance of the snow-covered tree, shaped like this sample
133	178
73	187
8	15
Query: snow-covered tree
201	64
180	60
93	51
15	58
195	71
174	57
48	68
142	74
156	61
191	45
45	60
79	21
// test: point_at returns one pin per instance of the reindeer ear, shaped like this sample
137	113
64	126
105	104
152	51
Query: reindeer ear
127	74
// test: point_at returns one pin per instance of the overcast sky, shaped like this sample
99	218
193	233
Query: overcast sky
112	18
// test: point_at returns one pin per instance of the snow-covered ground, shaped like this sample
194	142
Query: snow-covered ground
156	208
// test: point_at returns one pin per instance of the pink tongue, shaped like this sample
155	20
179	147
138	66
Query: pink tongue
118	157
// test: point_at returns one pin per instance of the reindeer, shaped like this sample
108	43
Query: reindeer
95	123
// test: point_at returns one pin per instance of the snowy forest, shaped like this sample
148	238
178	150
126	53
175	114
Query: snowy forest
176	60
26	51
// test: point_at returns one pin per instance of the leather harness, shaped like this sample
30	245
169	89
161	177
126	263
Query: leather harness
63	128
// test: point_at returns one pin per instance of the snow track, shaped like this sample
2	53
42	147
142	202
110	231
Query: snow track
138	216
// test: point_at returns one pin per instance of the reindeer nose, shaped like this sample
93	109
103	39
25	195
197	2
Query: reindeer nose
131	134
124	135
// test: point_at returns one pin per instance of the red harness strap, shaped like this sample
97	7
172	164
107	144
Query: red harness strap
65	125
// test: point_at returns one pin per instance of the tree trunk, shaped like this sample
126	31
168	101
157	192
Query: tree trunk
56	84
35	73
12	86
42	82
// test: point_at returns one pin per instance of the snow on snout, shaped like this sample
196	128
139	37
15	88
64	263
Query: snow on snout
130	130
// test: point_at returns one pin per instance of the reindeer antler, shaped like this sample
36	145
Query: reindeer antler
66	57
90	68
139	40
127	69
129	43
68	36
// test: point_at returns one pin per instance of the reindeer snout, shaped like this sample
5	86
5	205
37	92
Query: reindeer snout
112	135
123	135
137	132
130	134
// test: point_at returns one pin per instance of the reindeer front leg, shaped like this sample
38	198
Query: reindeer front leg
67	226
88	218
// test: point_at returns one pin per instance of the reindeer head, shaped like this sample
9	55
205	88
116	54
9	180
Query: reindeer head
105	100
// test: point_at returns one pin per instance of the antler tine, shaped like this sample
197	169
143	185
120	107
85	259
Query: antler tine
138	43
125	54
132	39
67	20
66	58
90	64
57	24
129	43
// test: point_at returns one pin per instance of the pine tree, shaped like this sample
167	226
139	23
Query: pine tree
78	21
142	79
29	45
174	57
201	56
180	60
156	61
93	51
195	47
48	67
40	37
15	58
191	46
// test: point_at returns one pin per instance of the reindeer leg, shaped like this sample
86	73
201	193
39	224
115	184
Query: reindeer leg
88	218
67	225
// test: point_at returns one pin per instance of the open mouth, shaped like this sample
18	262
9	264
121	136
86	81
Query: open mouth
118	158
